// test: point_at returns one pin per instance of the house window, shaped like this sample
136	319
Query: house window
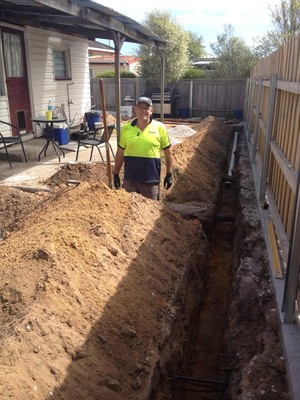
61	64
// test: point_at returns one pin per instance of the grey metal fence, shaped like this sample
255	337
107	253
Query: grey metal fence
197	98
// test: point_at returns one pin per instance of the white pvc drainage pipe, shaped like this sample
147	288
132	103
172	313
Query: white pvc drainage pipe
232	159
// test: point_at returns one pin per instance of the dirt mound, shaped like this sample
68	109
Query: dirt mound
199	161
91	173
16	205
76	279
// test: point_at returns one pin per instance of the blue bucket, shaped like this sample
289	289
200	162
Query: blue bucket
238	114
184	113
61	135
92	117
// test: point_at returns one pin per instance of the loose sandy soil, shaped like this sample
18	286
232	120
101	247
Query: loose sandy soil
98	286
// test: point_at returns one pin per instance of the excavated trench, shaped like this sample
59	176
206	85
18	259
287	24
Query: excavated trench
191	367
201	375
225	343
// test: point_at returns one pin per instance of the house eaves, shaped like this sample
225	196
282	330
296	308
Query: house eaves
94	46
83	18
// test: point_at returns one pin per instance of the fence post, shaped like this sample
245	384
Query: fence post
257	116
191	100
265	166
293	263
250	105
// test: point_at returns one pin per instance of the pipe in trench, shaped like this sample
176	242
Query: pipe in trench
208	386
232	159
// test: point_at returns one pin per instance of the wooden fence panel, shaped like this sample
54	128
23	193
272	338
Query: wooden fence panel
285	132
133	87
283	169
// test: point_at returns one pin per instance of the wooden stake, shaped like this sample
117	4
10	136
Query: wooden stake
109	173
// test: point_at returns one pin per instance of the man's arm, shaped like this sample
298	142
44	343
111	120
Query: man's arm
169	159
168	181
119	160
118	165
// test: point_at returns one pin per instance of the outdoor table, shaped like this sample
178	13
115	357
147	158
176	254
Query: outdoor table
50	137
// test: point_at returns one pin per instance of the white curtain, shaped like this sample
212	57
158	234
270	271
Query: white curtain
12	47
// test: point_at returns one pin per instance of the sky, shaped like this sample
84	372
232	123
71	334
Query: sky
204	18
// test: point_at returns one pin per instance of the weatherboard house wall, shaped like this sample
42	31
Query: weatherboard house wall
43	84
73	94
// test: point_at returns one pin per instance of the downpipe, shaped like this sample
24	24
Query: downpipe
69	101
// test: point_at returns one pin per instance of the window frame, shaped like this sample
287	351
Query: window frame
66	64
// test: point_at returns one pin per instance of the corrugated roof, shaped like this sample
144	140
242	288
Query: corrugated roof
77	17
99	46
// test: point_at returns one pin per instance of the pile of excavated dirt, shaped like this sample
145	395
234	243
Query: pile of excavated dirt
94	282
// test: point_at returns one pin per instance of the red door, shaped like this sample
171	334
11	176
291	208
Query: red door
16	78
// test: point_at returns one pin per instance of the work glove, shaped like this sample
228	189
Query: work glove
168	180
117	182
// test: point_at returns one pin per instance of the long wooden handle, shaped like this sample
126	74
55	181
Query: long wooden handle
109	173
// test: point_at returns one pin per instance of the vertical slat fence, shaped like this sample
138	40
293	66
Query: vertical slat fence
202	97
279	157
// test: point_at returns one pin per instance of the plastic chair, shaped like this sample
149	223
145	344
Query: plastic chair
11	140
94	141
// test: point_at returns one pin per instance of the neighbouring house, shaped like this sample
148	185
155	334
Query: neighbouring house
102	59
44	55
106	62
95	50
205	63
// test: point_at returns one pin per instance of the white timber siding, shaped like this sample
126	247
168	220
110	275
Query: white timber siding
4	116
43	86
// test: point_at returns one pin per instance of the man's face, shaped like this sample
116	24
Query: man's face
143	111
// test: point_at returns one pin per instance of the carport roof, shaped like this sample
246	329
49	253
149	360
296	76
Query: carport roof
84	18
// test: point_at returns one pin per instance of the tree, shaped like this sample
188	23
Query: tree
176	51
235	58
286	21
196	47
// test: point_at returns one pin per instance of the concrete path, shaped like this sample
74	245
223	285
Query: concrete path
34	172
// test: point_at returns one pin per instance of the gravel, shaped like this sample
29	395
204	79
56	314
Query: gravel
181	130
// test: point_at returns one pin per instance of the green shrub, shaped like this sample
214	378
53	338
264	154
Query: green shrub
194	73
111	74
125	74
106	74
